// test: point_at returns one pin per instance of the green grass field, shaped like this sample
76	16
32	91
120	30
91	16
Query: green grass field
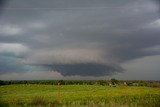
78	95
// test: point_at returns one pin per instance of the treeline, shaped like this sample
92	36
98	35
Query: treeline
84	82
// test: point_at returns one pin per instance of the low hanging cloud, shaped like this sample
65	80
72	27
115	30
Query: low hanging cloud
87	69
83	62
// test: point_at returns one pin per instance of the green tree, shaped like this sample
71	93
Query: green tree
114	81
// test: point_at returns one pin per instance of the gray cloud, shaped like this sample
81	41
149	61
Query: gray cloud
11	64
87	69
2	5
145	68
82	34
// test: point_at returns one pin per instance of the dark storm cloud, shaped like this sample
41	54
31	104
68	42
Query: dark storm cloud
89	69
58	4
80	37
132	46
2	4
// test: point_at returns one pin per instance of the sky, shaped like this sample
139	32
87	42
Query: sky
79	39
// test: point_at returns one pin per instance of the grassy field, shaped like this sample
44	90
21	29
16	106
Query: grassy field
78	95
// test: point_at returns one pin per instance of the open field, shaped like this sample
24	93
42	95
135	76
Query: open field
78	95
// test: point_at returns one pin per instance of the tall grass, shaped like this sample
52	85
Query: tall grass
39	100
78	96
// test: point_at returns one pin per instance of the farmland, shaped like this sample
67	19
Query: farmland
39	95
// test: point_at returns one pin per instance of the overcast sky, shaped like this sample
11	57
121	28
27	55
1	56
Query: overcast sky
80	39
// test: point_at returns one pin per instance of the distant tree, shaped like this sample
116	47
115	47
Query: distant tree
61	82
2	82
114	81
